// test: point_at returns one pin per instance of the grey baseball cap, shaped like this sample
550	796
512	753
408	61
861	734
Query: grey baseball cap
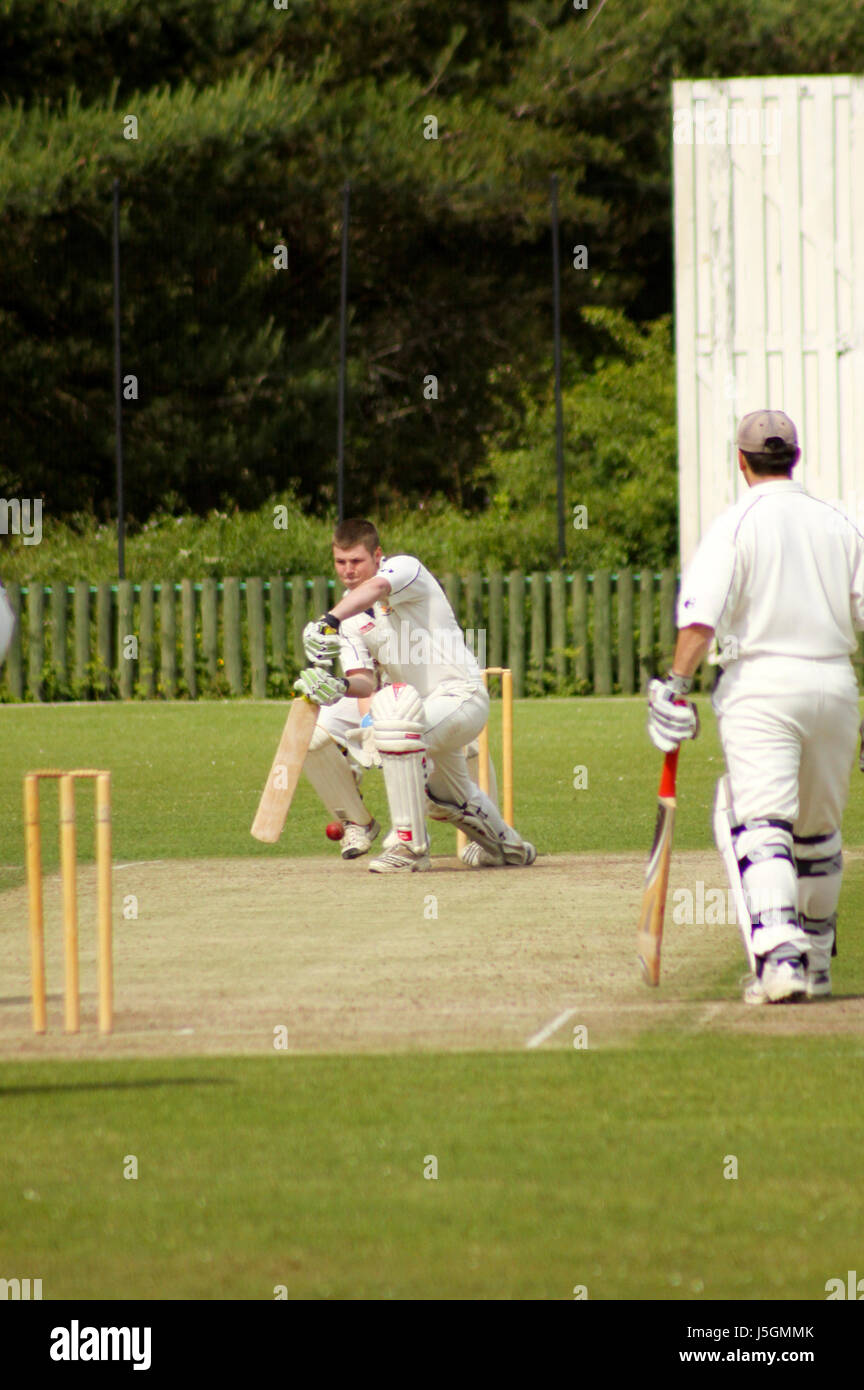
767	432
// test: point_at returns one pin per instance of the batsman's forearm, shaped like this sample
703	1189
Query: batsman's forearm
367	593
690	648
361	685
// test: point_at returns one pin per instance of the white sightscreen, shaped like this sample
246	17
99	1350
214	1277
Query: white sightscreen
769	280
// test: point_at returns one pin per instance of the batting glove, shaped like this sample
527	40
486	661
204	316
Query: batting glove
669	723
320	685
321	640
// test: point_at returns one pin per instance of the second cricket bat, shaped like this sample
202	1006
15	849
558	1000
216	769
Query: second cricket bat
650	934
284	775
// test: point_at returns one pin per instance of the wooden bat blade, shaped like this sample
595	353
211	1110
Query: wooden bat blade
284	775
652	916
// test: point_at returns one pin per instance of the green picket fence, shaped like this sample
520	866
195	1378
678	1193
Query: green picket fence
561	634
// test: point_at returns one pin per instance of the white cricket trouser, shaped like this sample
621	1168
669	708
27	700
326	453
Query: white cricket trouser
455	714
788	728
340	718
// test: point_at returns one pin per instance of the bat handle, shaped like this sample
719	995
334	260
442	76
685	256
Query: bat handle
670	768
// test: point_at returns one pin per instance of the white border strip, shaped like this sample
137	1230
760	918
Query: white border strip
551	1028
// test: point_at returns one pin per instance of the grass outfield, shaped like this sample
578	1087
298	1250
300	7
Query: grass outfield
187	777
604	1170
557	1168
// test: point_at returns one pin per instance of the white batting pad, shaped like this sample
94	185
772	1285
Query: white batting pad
479	820
723	841
398	720
329	772
399	727
472	757
819	864
763	874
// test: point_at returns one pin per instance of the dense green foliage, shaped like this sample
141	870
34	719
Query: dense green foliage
619	452
250	119
620	461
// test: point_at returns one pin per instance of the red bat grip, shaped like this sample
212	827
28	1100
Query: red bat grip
667	776
670	767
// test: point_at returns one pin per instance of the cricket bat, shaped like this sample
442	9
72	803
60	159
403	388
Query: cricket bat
284	775
650	935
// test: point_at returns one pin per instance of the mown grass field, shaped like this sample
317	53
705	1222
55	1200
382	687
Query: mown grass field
605	1169
554	1171
186	778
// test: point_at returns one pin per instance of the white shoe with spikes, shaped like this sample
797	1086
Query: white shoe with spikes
399	859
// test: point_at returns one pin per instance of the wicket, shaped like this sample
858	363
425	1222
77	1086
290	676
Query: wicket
68	867
506	748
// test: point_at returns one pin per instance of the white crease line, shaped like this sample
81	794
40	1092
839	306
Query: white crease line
550	1028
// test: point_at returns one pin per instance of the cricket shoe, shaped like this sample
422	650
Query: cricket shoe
476	857
818	984
399	859
781	982
520	855
358	839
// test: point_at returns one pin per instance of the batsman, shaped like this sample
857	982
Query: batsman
777	583
399	644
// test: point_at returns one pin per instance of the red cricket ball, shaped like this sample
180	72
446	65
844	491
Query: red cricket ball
335	830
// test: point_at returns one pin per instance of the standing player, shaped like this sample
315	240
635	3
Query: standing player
398	622
7	624
778	579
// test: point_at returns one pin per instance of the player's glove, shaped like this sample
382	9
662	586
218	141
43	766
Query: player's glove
670	723
861	753
320	685
321	640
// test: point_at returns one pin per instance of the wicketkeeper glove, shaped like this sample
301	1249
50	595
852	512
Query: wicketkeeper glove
320	685
669	723
321	639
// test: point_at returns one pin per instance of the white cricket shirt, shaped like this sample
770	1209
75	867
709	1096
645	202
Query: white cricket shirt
413	635
778	574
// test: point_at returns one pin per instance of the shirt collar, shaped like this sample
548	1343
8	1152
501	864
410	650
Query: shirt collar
779	485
